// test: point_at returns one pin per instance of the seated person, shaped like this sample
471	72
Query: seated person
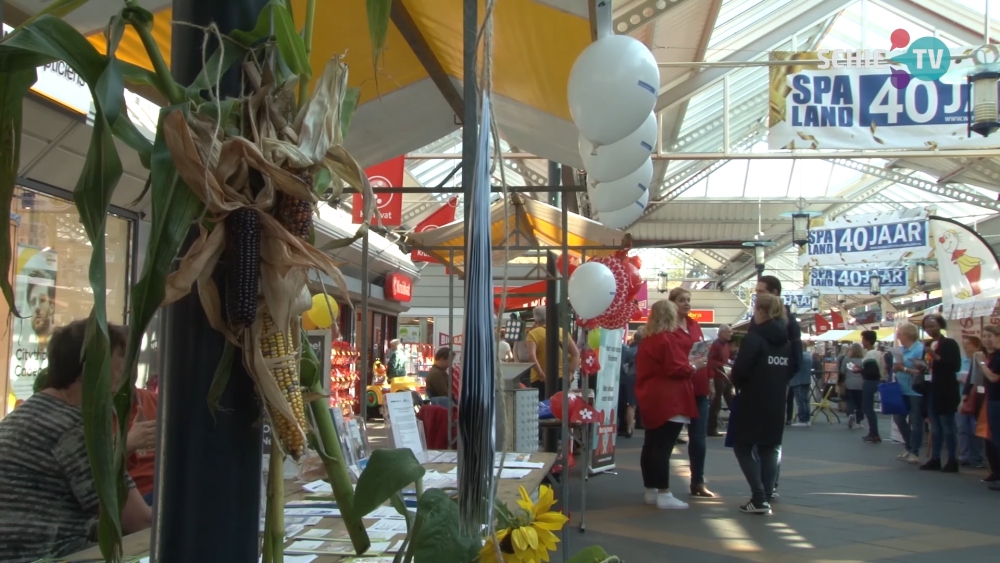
140	445
437	376
48	503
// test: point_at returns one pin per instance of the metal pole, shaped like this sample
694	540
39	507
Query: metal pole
364	328
470	94
208	468
726	146
564	327
550	442
555	177
451	339
986	24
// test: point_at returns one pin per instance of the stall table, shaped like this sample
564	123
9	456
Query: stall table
137	544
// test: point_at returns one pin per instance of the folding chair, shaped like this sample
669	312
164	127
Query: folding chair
826	407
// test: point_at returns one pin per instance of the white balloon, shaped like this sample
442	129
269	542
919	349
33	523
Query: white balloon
624	217
612	196
592	289
612	88
611	162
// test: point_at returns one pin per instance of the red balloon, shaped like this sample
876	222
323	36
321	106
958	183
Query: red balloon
634	279
636	261
622	288
574	262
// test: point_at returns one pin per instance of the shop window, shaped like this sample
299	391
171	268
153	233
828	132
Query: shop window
51	258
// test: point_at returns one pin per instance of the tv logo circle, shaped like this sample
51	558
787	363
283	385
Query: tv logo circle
927	59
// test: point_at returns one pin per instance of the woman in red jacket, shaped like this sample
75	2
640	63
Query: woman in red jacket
665	395
689	333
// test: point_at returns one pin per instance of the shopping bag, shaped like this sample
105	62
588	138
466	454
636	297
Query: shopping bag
545	410
982	424
893	401
732	421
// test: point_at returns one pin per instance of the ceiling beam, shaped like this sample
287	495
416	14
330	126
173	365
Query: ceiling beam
766	42
408	28
643	13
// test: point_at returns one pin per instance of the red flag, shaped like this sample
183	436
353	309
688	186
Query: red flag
388	174
838	321
443	216
822	325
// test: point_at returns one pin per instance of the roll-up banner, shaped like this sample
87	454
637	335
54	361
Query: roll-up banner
871	238
606	402
856	280
966	262
865	104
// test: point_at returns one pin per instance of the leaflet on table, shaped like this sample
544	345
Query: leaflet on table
370	560
331	547
439	456
340	534
404	430
518	460
388	525
507	473
324	512
293	522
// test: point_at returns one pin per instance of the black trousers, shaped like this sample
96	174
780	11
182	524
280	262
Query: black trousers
761	471
992	456
657	446
789	403
723	390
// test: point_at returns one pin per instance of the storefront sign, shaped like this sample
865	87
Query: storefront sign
868	108
389	207
857	281
437	219
446	340
872	238
967	264
35	295
59	83
837	320
606	402
703	316
398	287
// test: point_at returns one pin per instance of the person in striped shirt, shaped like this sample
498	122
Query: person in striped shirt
48	502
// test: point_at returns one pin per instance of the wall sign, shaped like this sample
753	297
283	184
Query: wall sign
389	207
702	316
59	83
441	217
398	287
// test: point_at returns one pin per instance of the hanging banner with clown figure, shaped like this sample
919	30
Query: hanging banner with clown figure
968	267
606	401
871	238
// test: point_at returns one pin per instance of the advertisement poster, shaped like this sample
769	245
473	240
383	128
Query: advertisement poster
389	207
869	108
606	401
856	280
966	262
870	238
443	216
35	294
409	334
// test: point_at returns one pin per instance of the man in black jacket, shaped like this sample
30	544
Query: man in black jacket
770	285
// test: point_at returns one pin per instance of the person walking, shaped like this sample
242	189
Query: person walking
535	346
907	367
800	389
989	362
665	393
761	374
689	331
853	384
719	359
944	360
872	373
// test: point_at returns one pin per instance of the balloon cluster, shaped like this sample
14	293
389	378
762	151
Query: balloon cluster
603	290
612	92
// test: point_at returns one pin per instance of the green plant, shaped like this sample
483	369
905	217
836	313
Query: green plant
291	139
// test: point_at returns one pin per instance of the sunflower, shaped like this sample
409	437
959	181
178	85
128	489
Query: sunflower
530	537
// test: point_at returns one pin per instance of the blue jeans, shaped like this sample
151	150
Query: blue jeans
971	450
854	401
868	406
943	430
912	430
697	433
802	402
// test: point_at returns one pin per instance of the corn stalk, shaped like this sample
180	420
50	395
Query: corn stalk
295	143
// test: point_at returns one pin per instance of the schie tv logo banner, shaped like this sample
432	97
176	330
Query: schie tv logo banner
927	59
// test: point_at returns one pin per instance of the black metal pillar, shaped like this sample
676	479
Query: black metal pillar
553	343
470	94
555	176
208	468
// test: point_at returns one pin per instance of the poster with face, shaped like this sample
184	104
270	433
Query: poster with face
35	294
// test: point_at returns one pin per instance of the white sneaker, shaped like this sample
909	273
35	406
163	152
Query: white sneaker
666	501
910	458
650	496
797	424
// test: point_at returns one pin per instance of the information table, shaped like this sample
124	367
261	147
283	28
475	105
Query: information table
137	544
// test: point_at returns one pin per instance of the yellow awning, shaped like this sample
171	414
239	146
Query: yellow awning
883	334
529	223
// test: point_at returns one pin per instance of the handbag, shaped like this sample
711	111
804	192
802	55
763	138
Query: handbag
982	424
893	401
968	405
730	438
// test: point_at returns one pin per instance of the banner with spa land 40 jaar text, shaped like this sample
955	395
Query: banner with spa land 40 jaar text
606	402
875	238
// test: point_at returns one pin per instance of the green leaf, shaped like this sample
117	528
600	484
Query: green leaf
322	180
260	31
347	108
58	9
437	537
221	377
309	366
14	84
101	172
378	26
592	554
387	472
290	43
110	87
215	68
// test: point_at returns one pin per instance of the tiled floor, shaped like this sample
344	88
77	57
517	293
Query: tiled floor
842	500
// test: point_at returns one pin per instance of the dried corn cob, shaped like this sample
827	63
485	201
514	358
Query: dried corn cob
242	266
295	215
275	344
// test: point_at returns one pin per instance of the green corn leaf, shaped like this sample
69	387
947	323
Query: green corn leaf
58	9
14	84
110	87
347	108
260	31
378	27
221	377
101	172
290	43
592	554
322	180
437	537
387	473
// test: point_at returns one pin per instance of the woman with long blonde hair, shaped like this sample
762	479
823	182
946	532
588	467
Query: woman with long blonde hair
665	395
761	375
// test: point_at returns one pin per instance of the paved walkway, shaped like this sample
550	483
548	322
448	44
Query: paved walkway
841	501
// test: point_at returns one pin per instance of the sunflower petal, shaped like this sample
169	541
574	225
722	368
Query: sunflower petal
546	538
546	498
531	536
520	542
526	505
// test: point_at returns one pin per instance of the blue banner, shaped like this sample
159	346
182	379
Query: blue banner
847	281
882	238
